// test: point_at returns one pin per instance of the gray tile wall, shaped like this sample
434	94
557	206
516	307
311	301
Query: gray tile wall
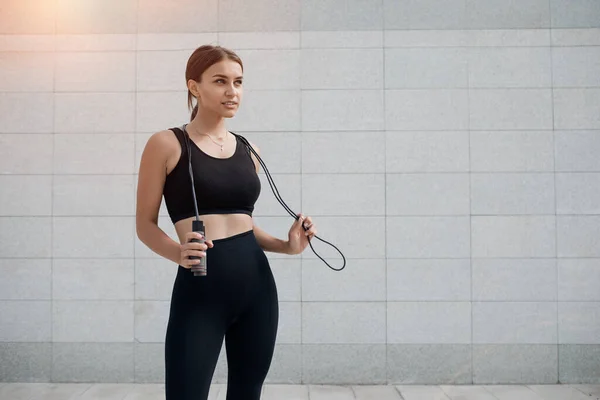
448	147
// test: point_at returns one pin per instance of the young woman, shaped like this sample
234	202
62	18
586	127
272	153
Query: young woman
237	299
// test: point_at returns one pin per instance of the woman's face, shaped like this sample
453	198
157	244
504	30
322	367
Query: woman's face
220	89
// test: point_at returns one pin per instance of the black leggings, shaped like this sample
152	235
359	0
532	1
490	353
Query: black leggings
236	300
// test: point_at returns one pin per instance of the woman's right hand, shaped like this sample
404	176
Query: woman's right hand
190	248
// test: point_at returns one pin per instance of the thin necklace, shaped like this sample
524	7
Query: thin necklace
218	144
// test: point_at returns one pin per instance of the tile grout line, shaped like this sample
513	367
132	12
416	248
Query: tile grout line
135	116
350	173
396	131
487	390
443	391
332	302
301	125
398	391
345	89
52	182
217	28
385	212
555	196
469	156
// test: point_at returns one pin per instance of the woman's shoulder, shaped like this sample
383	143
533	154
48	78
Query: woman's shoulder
165	140
163	146
245	141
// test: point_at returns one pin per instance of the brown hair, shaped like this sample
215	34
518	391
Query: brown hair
201	59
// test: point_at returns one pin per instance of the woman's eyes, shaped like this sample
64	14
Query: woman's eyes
238	82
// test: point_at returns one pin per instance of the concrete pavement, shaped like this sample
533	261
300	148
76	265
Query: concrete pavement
51	391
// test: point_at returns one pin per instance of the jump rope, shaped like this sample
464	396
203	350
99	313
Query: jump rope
198	225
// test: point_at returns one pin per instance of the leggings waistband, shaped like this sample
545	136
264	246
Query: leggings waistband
236	236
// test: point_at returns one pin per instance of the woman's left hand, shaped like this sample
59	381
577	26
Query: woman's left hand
298	238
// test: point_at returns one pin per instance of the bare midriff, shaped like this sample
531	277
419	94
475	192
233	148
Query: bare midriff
217	226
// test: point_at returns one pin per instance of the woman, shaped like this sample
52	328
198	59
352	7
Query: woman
237	299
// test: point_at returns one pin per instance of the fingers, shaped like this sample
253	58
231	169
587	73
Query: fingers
187	262
189	252
193	249
298	221
303	221
307	222
193	235
309	227
196	246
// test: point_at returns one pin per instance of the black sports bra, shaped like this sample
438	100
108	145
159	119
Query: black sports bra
223	185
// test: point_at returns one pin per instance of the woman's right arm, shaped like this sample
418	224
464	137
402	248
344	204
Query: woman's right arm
151	180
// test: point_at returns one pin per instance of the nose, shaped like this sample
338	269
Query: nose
230	90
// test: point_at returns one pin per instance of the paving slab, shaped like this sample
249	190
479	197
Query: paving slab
287	392
422	392
378	392
590	390
557	392
467	393
327	392
513	392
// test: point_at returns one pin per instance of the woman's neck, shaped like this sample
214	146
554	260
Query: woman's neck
208	123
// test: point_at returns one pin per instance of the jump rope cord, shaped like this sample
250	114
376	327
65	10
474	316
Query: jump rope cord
187	145
273	188
287	208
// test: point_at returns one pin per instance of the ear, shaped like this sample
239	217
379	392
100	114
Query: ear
193	87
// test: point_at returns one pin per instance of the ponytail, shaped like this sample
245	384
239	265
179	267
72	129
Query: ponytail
194	112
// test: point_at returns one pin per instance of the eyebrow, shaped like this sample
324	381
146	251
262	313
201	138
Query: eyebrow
224	76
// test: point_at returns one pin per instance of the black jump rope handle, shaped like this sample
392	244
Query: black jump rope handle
200	268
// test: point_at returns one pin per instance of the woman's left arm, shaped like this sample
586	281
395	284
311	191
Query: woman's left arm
270	243
298	238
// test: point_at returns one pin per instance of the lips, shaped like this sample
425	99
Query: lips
230	103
